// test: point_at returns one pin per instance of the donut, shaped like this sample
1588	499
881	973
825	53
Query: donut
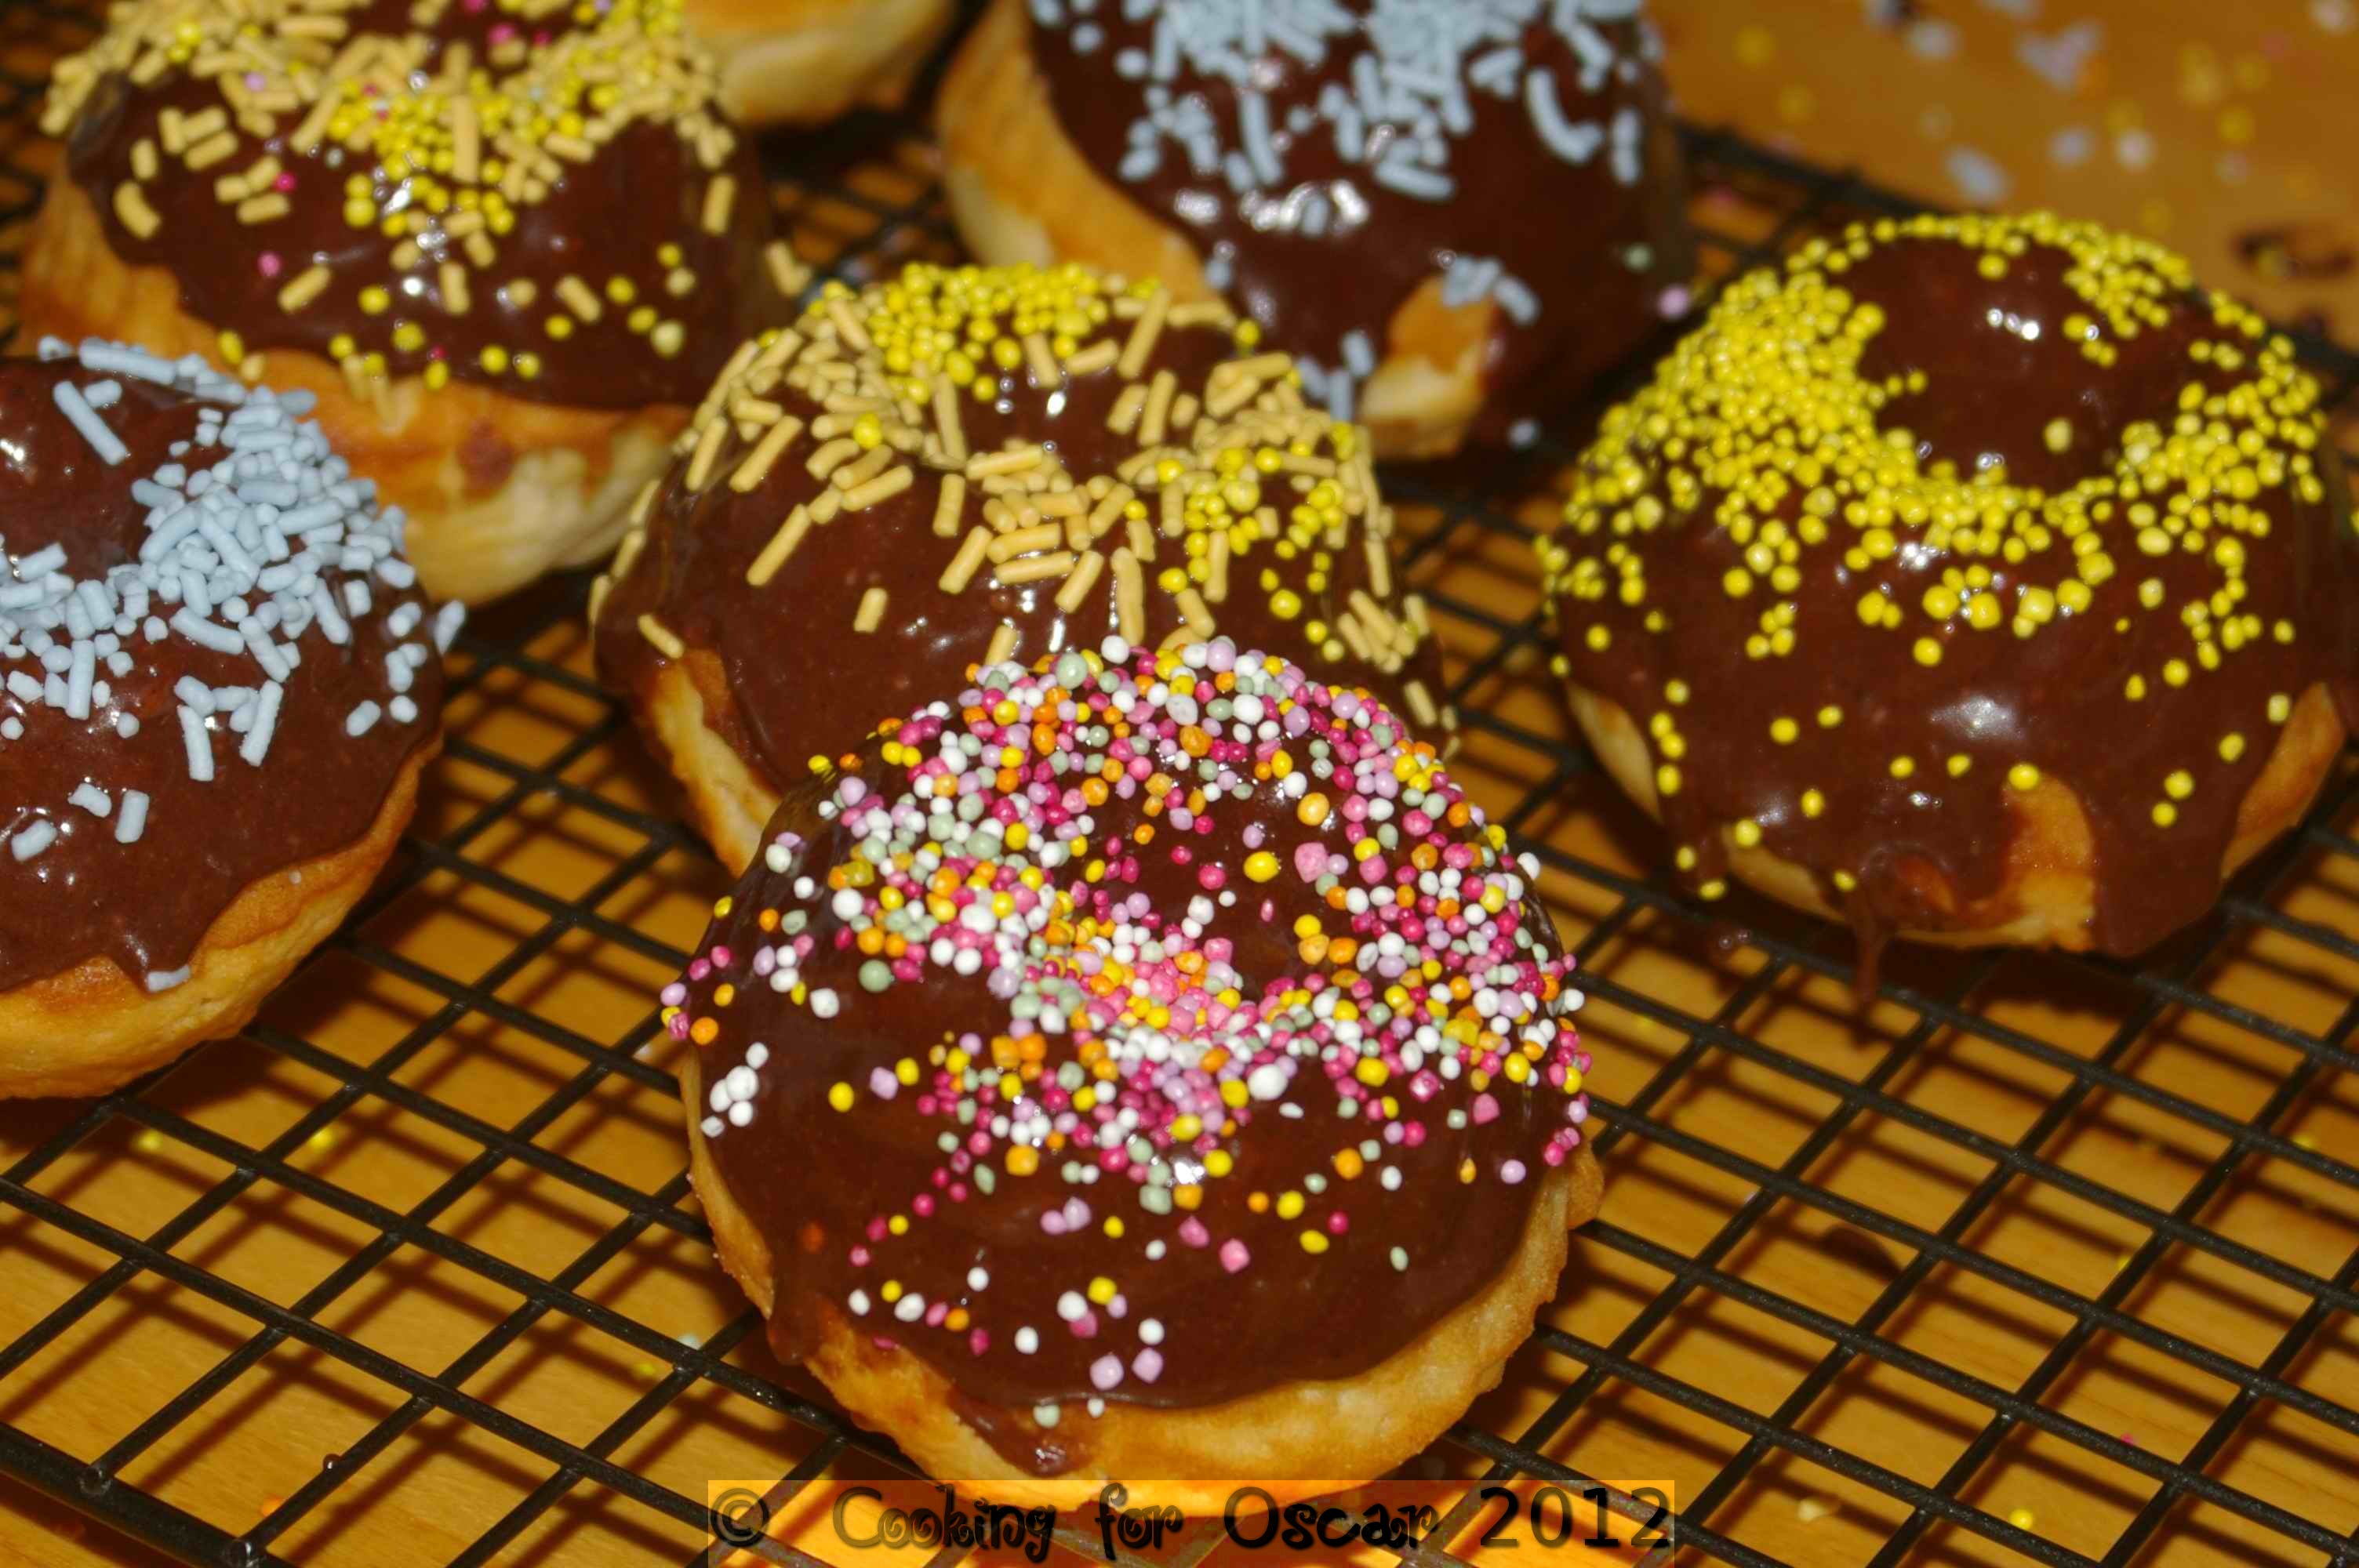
1972	579
505	249
966	465
804	62
219	682
1454	215
1142	1066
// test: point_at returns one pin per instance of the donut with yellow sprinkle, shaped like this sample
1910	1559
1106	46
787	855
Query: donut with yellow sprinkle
1975	579
1140	1065
506	244
976	464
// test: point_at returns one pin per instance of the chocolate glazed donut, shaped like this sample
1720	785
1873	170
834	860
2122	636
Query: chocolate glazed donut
215	667
1456	215
968	465
506	245
1149	1065
1978	579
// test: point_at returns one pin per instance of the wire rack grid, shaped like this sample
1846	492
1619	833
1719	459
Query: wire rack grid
2025	1256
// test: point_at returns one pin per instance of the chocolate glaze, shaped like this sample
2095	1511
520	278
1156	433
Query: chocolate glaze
1999	370
602	220
146	906
1569	232
816	1180
787	680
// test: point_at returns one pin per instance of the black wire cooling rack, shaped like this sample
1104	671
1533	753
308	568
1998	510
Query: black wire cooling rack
1927	1008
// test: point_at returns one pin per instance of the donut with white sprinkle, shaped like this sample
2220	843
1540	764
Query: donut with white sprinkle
219	681
1453	212
1144	1064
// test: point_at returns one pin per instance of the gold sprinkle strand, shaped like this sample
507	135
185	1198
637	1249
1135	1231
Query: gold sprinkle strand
755	466
303	287
884	487
720	197
662	637
831	455
1034	568
967	562
1129	596
782	545
708	448
1003	645
871	614
627	555
1076	587
1098	356
1192	610
452	280
1143	336
947	422
1023	541
131	210
948	505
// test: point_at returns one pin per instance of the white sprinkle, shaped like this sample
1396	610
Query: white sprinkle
361	719
166	979
200	745
79	413
32	838
132	820
91	798
266	722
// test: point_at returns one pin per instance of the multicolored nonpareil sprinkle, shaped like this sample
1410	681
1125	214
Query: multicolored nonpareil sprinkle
1175	909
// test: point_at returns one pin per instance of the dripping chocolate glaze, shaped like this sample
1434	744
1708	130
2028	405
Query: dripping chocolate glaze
783	675
1570	231
602	220
146	906
2000	372
813	1179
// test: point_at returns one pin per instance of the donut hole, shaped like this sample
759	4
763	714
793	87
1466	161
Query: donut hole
2007	386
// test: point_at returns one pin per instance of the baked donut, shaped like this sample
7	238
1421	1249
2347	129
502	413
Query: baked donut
1149	1065
1975	579
506	252
1452	215
218	684
803	61
974	464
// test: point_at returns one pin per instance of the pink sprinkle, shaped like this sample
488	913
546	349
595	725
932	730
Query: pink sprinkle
1234	1256
267	264
673	994
978	1342
1085	1326
1487	1110
883	1084
1311	860
1105	1372
1193	1232
284	183
860	1256
1512	1172
1148	1365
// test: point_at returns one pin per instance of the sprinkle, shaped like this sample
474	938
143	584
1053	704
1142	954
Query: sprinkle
968	561
782	545
871	614
32	838
77	410
666	642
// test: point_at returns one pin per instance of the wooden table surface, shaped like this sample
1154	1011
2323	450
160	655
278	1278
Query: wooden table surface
538	1075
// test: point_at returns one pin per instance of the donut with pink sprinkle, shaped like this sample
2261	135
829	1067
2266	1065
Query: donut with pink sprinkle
1140	1065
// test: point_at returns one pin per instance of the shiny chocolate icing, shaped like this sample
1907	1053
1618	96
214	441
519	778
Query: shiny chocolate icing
75	539
1165	1062
1991	503
1330	167
784	675
600	161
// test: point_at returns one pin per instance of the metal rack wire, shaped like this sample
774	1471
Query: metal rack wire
1942	1002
